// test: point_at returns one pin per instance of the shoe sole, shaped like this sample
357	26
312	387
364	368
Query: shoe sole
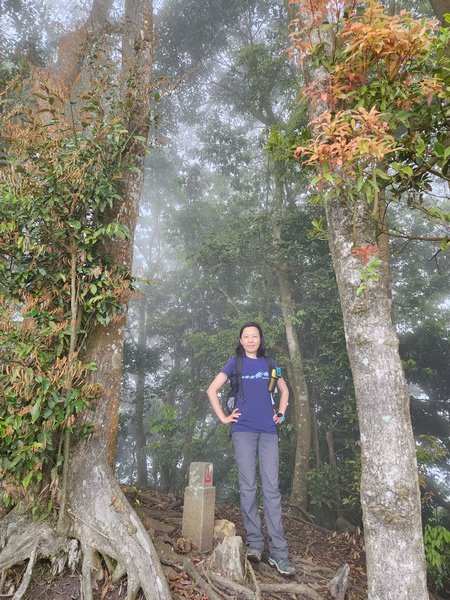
254	559
272	563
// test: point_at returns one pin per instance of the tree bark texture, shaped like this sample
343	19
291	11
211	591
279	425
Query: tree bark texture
104	522
390	495
440	8
105	344
299	491
302	411
138	415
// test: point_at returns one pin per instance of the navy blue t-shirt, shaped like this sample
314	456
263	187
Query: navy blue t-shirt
255	405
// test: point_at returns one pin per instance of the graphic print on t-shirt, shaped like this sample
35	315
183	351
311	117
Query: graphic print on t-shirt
259	375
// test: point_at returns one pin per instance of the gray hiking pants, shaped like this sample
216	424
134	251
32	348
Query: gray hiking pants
245	446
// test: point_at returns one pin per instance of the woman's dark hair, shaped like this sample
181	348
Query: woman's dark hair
262	347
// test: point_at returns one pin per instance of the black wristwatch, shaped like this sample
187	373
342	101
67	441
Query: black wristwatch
280	416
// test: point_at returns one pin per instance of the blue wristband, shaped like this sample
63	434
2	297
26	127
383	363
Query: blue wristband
281	416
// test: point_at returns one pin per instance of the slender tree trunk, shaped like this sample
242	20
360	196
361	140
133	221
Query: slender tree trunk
302	413
166	470
193	410
264	297
140	438
390	495
299	491
138	415
341	522
315	435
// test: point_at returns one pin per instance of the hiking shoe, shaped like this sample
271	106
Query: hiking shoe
254	555
282	565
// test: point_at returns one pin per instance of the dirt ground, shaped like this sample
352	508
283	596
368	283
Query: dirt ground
316	552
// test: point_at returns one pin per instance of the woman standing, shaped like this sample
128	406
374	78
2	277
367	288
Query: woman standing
254	430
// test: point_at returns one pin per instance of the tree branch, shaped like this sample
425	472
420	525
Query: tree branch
420	238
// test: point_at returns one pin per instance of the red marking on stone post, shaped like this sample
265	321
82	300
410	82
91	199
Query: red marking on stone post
208	475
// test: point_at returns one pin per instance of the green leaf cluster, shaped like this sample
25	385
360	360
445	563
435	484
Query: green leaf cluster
437	552
368	273
36	404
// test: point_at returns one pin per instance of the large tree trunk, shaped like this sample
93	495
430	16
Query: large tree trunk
389	486
113	527
104	522
98	514
390	496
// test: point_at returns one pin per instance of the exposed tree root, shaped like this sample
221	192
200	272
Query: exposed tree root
290	588
255	582
218	591
232	589
298	510
2	581
27	575
338	585
316	570
105	529
241	592
104	522
21	539
217	586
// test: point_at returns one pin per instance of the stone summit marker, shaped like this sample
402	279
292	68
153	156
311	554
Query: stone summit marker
199	504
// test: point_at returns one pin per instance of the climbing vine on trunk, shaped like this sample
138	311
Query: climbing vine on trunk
61	170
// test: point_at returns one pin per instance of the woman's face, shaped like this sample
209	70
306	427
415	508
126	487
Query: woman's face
250	340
